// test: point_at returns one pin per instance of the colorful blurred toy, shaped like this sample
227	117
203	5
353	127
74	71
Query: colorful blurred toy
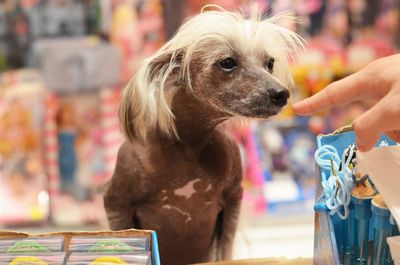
67	145
285	148
23	192
150	25
87	138
126	36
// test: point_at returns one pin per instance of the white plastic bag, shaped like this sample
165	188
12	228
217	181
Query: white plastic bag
382	164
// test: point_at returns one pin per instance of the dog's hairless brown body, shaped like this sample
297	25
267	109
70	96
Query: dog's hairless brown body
189	190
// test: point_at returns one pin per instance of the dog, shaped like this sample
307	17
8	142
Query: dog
178	174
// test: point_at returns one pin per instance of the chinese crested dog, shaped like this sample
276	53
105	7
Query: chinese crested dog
177	173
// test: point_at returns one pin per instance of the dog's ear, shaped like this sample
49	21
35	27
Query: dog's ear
146	100
157	64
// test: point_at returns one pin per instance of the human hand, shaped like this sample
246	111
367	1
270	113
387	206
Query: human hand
379	81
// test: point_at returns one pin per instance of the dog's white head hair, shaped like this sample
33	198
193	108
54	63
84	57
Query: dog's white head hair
146	101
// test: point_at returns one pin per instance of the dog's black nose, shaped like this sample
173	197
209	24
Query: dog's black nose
279	96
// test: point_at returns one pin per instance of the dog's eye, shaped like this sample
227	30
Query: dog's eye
270	64
228	64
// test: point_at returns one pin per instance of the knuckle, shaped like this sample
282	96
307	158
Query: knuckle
375	66
372	72
390	110
358	127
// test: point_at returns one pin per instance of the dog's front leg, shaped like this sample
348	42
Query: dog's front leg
229	219
231	203
120	212
124	191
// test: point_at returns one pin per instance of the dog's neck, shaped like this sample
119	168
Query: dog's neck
194	120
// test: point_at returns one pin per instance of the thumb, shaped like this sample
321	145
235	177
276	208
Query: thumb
380	118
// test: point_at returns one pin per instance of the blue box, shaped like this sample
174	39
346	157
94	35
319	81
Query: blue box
329	230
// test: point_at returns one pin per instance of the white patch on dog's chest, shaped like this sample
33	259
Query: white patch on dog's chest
187	190
186	214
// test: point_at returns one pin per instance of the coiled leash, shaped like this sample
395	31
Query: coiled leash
336	189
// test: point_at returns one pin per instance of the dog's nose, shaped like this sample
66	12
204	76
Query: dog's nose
279	96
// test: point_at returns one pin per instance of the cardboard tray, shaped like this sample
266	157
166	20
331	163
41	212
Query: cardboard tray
151	235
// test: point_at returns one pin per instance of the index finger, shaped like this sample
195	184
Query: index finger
341	92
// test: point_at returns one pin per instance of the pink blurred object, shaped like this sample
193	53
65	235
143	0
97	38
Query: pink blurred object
380	47
327	46
98	140
253	180
111	136
365	50
126	35
303	7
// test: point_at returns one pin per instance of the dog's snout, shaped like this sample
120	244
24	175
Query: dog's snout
279	96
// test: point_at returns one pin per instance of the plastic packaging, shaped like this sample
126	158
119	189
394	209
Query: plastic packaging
136	258
51	258
32	245
383	229
362	214
349	237
106	244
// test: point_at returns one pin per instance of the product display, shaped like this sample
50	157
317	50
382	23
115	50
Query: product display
285	148
85	138
133	247
360	226
77	64
23	183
